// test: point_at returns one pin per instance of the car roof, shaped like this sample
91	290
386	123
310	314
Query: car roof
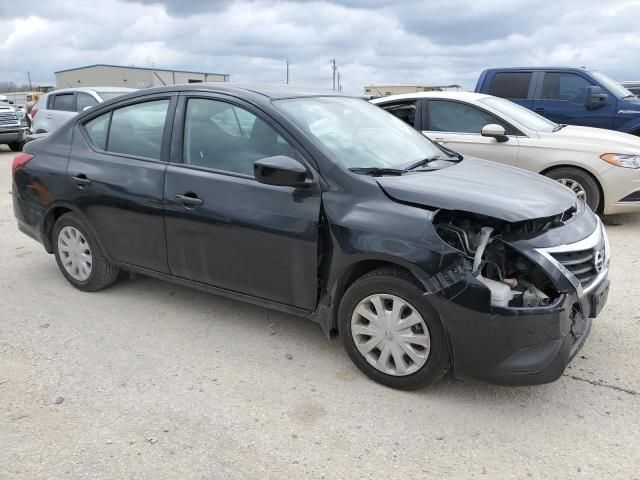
469	96
92	89
274	91
516	69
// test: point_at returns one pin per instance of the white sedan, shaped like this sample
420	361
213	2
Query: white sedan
600	166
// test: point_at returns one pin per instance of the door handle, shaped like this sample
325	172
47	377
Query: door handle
539	110
440	140
189	200
81	180
48	115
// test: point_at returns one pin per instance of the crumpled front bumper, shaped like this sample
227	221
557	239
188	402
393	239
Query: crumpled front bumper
521	346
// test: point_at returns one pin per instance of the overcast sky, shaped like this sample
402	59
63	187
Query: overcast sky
373	41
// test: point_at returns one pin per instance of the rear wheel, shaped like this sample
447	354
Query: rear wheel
79	255
16	146
580	182
391	333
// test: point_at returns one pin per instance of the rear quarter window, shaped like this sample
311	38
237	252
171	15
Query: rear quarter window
511	85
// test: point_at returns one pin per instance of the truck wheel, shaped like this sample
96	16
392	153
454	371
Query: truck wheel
79	255
16	146
391	333
580	182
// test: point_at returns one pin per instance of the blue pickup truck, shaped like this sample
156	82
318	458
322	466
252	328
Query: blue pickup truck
574	96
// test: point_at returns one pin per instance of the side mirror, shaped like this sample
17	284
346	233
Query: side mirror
281	171
10	102
595	97
495	131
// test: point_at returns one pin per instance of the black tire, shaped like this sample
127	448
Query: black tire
395	282
103	272
589	184
16	146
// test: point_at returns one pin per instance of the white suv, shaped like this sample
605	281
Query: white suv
58	106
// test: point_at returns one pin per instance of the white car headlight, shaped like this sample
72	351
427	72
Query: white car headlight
622	159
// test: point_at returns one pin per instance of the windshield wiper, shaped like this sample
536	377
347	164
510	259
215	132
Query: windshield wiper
377	171
427	161
559	127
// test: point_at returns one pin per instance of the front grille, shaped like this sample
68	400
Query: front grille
584	264
9	119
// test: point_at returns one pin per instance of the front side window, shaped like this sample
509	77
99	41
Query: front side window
138	129
512	85
85	100
564	86
64	102
358	134
221	136
519	114
447	116
404	111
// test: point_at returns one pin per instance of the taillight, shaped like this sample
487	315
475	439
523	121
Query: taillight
34	110
20	161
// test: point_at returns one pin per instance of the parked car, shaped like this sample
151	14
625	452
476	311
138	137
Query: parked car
602	167
56	107
324	206
14	126
633	87
574	96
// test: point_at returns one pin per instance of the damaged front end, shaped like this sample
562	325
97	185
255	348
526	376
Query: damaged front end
522	294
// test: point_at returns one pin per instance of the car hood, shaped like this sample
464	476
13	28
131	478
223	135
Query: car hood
601	140
484	188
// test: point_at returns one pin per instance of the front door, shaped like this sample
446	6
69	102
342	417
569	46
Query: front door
561	98
223	227
458	126
116	176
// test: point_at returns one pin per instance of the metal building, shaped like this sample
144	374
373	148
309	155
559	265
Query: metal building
132	77
386	90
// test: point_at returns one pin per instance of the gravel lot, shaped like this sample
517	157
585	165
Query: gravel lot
151	380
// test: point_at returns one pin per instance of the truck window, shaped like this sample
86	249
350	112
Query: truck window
564	86
511	85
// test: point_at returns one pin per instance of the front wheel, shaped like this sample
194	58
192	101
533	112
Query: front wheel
79	255
580	182
391	333
16	146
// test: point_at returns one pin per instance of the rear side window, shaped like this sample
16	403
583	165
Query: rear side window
138	129
512	85
404	111
97	130
568	87
64	102
447	116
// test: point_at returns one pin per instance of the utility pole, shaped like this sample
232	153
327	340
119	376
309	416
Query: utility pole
334	69
29	77
286	61
339	85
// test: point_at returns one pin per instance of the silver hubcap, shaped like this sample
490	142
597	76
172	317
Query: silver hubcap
390	334
75	253
574	186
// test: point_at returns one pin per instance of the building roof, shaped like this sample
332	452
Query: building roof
139	68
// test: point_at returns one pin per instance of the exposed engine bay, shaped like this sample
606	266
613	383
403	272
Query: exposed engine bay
513	279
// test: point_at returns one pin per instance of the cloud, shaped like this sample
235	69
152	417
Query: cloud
374	42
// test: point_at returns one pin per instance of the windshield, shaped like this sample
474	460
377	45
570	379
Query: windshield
520	114
110	95
359	134
610	84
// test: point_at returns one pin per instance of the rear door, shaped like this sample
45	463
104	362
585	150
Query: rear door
561	97
116	176
458	125
223	227
515	86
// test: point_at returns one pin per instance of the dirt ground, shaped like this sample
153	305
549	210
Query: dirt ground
151	380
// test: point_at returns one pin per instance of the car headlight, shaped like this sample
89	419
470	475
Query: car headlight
622	159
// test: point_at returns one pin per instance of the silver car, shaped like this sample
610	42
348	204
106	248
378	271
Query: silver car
56	107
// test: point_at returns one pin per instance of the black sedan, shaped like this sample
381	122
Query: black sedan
327	207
